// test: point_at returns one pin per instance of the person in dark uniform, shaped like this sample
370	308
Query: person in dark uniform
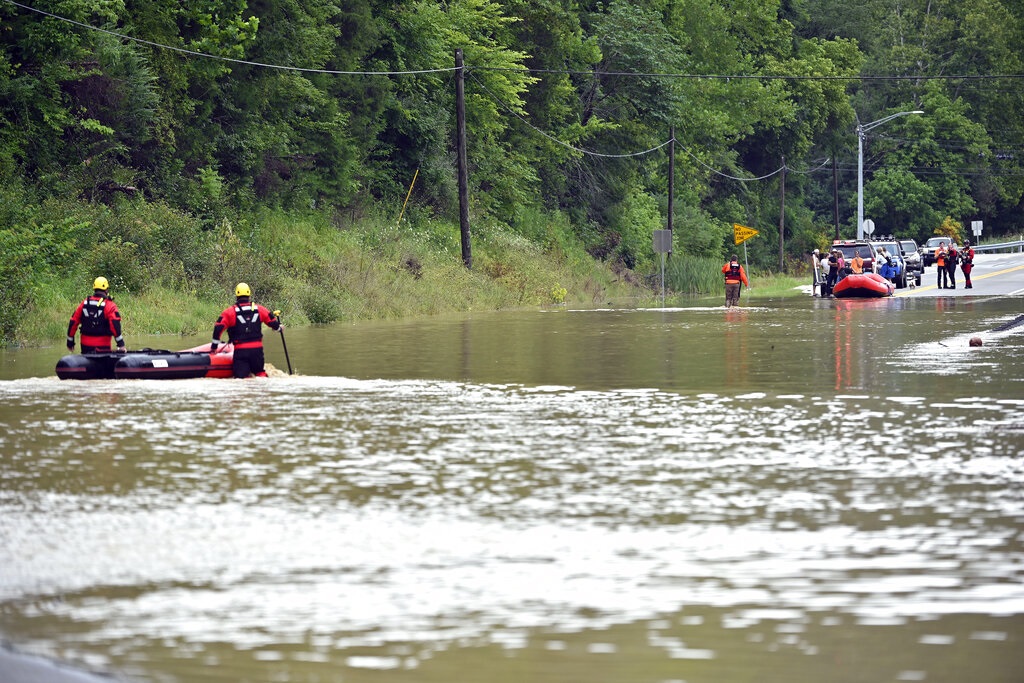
952	259
244	324
833	272
967	264
99	319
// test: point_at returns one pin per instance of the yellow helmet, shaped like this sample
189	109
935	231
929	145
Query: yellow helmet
101	283
242	289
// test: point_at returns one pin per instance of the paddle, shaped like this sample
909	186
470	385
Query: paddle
277	314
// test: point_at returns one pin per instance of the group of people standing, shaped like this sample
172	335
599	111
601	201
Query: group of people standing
832	267
946	260
100	323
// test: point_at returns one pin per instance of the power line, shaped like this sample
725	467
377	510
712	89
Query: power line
758	77
194	53
550	137
726	77
580	150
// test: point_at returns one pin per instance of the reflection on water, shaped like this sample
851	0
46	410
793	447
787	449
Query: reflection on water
806	494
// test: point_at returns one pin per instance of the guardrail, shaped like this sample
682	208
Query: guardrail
1019	245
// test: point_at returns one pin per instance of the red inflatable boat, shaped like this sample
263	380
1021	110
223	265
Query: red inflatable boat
148	364
863	286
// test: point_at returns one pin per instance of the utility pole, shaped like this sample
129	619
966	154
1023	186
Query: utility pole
782	217
671	178
835	194
460	144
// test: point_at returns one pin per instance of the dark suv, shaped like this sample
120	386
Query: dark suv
928	250
850	248
868	250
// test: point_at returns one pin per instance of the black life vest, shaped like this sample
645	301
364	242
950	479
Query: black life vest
734	271
248	326
94	320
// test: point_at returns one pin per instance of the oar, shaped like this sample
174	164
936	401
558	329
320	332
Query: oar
277	314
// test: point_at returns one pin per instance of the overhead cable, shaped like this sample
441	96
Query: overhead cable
726	77
194	53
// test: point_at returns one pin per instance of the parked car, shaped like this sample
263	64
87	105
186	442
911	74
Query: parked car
928	250
912	259
850	248
868	250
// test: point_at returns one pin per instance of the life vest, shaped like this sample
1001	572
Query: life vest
733	273
248	326
94	319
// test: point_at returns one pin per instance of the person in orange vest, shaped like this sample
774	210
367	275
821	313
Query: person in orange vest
734	275
99	319
244	324
967	264
857	263
940	266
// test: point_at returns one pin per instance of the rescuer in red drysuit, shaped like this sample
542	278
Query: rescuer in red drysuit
244	323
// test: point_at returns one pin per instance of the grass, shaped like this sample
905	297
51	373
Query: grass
776	286
172	275
317	272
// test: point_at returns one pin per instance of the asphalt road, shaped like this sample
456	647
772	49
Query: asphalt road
993	275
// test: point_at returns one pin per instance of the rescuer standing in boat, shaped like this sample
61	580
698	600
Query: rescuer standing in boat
99	319
244	322
734	275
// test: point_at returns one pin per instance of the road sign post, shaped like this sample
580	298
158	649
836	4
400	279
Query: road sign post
740	234
663	245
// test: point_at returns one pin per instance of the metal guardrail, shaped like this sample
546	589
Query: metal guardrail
1019	244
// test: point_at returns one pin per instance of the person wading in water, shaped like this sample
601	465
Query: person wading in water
244	324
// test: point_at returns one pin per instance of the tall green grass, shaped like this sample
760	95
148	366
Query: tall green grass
702	277
694	275
171	273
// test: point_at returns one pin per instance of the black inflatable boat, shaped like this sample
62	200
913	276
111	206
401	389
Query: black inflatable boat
147	364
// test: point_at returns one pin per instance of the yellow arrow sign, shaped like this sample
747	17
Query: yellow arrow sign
742	233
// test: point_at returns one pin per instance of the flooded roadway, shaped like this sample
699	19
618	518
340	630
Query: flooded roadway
801	490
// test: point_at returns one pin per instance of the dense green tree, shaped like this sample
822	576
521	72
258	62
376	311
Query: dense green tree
216	106
956	55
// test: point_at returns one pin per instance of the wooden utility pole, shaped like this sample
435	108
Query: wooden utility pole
460	144
671	179
782	218
835	194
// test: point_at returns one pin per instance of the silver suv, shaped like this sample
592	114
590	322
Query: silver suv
928	250
912	260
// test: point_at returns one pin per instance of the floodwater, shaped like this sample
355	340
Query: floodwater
799	490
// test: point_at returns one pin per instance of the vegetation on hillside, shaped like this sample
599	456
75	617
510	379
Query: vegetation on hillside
180	146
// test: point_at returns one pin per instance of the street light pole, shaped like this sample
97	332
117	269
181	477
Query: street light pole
861	129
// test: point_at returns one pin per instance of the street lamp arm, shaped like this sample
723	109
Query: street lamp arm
861	129
874	124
